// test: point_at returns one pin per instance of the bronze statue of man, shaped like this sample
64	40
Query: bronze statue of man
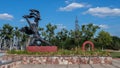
33	26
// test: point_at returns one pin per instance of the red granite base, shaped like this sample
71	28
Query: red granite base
42	48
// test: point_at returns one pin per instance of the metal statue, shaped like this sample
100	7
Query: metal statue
34	15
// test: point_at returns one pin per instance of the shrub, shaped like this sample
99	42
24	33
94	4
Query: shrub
62	53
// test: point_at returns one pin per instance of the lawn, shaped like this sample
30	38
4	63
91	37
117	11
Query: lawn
115	54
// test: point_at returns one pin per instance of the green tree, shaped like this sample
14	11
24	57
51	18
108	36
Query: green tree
88	31
25	40
17	37
62	36
104	38
77	37
7	35
42	33
115	43
50	33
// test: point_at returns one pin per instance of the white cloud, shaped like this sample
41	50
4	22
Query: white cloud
103	11
6	16
103	26
72	6
67	2
60	26
22	20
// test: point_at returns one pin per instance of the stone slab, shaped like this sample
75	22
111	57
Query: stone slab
108	66
73	66
85	66
96	66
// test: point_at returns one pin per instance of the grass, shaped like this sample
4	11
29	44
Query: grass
115	54
62	53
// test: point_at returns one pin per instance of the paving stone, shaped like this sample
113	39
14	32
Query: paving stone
97	66
60	66
30	66
73	66
116	64
42	66
108	66
85	66
116	60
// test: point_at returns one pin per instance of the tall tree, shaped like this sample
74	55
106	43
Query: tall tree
77	37
62	36
50	31
115	43
7	34
88	31
17	37
104	38
25	40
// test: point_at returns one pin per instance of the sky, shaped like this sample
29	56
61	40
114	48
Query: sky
103	13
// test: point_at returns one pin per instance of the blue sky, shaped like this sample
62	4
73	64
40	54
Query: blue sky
104	13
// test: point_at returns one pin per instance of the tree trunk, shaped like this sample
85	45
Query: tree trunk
10	45
102	48
0	42
89	47
27	43
4	45
21	47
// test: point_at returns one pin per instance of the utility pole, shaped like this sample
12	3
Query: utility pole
76	24
77	32
77	27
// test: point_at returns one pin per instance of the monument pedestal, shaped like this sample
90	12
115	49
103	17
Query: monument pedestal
42	48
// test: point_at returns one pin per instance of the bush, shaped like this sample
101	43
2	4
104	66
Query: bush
62	52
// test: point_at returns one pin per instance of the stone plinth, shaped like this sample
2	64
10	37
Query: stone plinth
42	48
66	60
23	59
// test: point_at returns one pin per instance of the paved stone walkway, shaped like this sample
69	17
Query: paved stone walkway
115	64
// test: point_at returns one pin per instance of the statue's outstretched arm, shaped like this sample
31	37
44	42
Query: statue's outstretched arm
26	17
